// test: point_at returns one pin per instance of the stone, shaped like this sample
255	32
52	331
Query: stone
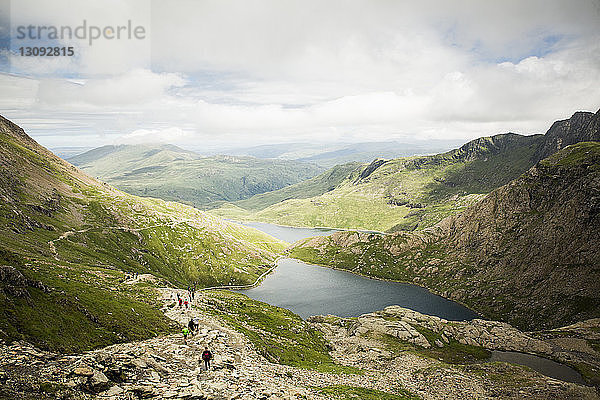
144	391
83	371
98	382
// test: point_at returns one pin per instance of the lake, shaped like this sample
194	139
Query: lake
313	290
540	364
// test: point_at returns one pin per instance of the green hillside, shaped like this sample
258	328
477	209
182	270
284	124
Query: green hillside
171	173
402	194
527	253
312	187
68	242
414	193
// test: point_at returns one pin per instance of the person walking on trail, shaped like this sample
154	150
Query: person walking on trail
180	302
186	304
206	357
191	326
185	331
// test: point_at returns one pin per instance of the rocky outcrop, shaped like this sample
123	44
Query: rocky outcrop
527	253
13	283
168	368
404	324
581	127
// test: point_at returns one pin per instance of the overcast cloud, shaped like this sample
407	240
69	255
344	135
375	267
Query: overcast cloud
253	72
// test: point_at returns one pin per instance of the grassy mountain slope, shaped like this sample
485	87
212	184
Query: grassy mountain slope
405	193
68	241
527	253
415	193
312	187
171	173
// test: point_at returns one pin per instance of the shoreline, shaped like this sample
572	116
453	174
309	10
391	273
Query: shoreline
249	286
306	227
480	316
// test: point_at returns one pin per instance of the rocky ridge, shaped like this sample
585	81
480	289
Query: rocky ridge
526	253
167	368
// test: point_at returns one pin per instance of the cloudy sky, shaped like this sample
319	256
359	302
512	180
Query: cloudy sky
213	73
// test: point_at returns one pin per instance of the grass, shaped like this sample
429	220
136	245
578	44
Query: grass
583	153
278	334
590	373
170	173
398	195
86	308
344	392
106	233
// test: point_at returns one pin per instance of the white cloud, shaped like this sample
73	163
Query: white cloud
168	135
259	71
133	88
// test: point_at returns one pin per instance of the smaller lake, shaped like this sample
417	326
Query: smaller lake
313	290
542	365
288	233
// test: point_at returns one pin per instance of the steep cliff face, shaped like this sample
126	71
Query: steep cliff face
535	241
581	127
527	253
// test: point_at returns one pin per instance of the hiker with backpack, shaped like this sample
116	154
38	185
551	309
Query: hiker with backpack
191	326
206	357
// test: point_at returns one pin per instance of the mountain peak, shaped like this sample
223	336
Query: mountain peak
583	126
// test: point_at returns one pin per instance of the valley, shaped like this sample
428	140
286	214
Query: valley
89	277
171	173
412	193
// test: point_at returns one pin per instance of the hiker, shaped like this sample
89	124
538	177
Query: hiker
185	331
196	324
191	326
206	357
180	302
186	304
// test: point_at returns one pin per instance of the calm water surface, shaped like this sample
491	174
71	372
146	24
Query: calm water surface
542	365
287	233
313	290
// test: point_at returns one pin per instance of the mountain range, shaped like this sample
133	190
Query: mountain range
171	173
526	253
412	193
332	154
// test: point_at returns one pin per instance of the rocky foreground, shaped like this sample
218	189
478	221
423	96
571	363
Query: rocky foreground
390	347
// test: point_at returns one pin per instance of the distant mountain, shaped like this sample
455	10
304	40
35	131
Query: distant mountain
414	193
68	242
66	152
527	253
366	152
329	155
171	173
316	186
